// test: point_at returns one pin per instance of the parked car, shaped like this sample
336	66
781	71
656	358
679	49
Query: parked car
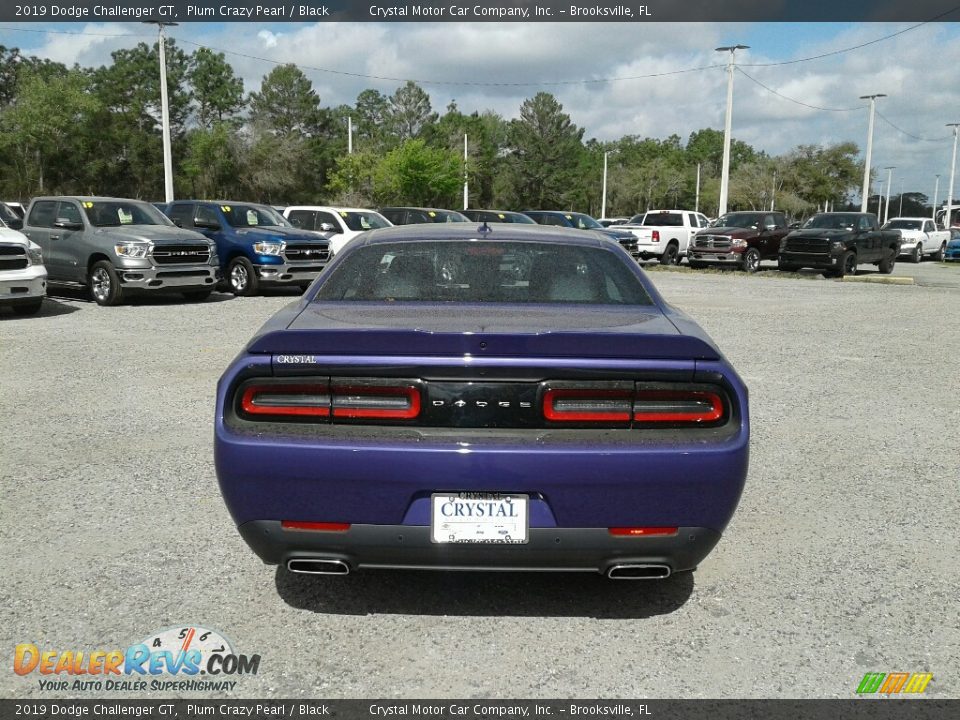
23	277
607	222
952	253
919	237
257	246
115	246
499	216
17	207
10	218
421	215
568	419
582	221
338	224
836	242
742	239
665	234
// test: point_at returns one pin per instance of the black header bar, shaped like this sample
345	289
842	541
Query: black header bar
261	11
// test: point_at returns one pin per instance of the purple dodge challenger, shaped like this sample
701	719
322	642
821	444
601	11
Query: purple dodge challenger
504	397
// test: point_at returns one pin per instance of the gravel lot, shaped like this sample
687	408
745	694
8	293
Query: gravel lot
842	558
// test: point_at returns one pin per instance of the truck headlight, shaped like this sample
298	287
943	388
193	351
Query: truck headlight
132	249
268	248
35	256
836	245
783	244
738	243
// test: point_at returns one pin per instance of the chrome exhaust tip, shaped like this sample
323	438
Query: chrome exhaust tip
318	566
638	572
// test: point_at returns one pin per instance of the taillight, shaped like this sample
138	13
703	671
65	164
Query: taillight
397	402
598	404
315	526
655	236
622	404
678	407
339	399
305	400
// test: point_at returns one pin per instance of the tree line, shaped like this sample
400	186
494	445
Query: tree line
97	131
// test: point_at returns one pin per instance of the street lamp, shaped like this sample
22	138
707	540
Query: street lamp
948	218
603	201
936	189
164	108
886	207
725	172
866	163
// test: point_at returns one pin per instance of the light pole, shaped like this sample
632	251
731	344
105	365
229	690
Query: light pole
725	172
696	203
936	190
900	211
886	205
948	218
466	186
868	158
603	200
164	108
349	135
880	201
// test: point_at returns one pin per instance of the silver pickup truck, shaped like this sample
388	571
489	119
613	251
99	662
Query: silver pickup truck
115	246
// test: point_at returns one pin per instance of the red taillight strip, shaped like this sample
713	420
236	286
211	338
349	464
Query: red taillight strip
321	408
343	409
551	413
699	415
315	526
642	531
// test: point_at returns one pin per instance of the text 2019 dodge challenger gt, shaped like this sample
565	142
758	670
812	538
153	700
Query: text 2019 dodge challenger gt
493	398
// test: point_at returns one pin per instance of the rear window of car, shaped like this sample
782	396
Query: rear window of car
483	272
660	219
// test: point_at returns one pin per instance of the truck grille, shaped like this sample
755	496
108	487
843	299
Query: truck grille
181	254
310	253
807	245
13	257
713	241
629	244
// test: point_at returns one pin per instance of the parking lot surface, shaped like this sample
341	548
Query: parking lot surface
842	558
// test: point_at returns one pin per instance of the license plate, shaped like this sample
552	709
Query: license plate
470	517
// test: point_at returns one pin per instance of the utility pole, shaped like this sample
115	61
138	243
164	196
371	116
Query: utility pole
696	204
900	211
886	206
868	158
948	218
773	191
164	108
880	201
349	135
603	200
728	122
936	190
466	191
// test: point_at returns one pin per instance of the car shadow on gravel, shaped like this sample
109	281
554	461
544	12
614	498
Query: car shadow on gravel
484	594
82	295
50	308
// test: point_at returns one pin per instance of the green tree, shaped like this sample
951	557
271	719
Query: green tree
410	112
211	164
370	119
419	175
545	150
287	104
217	91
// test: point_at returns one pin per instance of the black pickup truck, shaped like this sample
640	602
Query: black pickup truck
837	242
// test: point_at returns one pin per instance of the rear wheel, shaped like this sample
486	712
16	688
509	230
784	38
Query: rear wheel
938	255
241	277
31	308
104	284
917	254
671	255
751	260
886	265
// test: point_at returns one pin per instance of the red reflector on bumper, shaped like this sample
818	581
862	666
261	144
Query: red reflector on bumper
641	531
315	526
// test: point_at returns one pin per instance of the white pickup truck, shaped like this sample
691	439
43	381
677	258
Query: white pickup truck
23	277
919	237
665	234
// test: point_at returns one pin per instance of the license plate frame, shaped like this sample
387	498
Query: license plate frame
486	526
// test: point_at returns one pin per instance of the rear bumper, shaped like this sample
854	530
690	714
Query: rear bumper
410	547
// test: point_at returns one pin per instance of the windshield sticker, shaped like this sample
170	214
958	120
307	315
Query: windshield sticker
126	218
432	213
88	204
344	213
252	217
225	208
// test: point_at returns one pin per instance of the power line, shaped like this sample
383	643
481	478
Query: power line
798	102
855	47
915	137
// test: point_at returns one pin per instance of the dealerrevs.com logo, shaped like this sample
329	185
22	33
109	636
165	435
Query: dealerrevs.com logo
190	658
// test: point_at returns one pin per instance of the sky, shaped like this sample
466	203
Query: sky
594	70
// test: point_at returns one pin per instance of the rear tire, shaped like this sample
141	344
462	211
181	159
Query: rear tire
241	277
938	255
31	308
671	256
104	284
886	265
917	254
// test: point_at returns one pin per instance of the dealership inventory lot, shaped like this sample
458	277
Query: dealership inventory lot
841	560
